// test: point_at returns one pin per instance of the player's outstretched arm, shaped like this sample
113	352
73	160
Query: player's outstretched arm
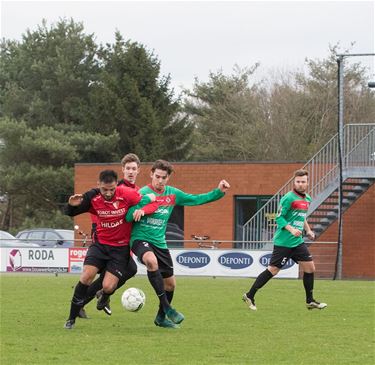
183	198
80	203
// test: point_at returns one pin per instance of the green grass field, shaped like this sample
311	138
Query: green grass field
218	329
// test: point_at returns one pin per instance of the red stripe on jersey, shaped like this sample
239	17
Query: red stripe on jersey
300	205
166	200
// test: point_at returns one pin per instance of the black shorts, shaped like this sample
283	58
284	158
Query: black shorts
114	259
280	255
163	256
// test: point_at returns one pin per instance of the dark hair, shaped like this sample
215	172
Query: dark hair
162	165
108	176
301	173
130	157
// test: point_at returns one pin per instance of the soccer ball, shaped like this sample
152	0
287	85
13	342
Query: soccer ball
133	299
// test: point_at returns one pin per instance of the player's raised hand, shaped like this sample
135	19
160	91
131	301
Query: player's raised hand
223	186
75	200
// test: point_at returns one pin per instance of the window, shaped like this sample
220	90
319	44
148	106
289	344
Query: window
245	207
50	239
36	235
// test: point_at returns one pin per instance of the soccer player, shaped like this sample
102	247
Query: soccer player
130	165
148	237
288	242
110	252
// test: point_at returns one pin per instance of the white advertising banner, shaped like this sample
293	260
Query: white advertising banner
3	260
37	259
223	263
239	263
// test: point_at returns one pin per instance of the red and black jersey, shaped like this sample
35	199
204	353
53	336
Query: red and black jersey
94	219
111	226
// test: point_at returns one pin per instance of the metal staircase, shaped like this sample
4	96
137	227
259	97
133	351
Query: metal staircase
323	168
327	212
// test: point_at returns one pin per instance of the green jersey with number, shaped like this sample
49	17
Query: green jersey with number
292	210
151	228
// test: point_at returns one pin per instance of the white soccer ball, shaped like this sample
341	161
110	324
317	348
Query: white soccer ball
133	299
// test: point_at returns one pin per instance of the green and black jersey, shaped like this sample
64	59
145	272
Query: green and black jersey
151	228
292	210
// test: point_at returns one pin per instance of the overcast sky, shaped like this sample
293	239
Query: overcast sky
192	38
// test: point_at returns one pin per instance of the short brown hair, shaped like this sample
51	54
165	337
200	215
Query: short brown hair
301	172
130	157
162	165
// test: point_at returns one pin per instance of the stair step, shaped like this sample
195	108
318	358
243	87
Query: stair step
321	223
355	189
327	212
358	183
329	215
327	209
349	196
346	201
323	213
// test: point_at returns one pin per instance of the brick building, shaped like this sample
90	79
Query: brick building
251	185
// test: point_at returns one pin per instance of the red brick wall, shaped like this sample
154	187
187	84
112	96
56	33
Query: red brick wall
217	219
358	237
324	255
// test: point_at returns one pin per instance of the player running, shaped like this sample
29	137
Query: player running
288	242
148	237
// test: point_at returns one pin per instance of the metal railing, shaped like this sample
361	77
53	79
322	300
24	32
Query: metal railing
323	168
361	154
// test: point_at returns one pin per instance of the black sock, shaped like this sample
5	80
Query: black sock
78	300
104	297
130	271
308	283
157	283
260	281
93	288
169	295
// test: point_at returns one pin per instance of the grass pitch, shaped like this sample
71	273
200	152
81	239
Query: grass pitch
218	329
